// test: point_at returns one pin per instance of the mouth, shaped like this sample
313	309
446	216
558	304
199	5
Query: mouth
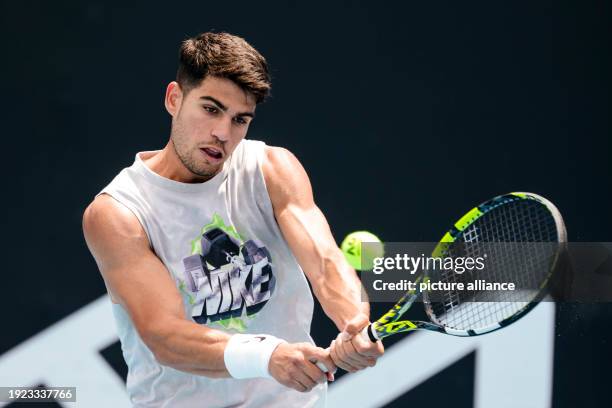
212	153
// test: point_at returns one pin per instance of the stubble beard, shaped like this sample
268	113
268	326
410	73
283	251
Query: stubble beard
186	154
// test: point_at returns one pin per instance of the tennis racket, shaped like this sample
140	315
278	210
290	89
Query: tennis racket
510	218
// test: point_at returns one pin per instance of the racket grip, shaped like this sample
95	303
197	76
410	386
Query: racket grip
368	334
330	376
321	366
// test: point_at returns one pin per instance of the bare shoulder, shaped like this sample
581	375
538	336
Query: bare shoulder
280	165
109	225
278	156
133	274
285	177
107	214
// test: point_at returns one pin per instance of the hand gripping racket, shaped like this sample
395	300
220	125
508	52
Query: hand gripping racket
506	219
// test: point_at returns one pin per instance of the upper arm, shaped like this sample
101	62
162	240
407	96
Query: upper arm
307	232
301	221
134	276
287	181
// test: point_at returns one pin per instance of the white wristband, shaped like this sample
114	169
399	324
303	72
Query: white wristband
248	355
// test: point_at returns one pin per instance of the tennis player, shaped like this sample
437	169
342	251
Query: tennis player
203	247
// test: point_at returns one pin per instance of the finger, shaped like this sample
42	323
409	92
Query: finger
366	348
333	353
322	357
312	356
357	323
298	386
315	373
371	362
351	356
301	377
337	358
380	348
342	360
360	346
375	349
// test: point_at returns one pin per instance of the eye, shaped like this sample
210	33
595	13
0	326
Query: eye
241	121
210	109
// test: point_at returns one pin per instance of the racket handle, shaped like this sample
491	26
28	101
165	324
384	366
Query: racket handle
368	333
321	366
330	376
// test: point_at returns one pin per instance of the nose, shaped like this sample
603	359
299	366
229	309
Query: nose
222	129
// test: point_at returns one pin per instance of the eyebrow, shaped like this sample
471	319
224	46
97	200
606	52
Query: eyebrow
224	108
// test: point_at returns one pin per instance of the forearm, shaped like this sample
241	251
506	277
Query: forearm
187	346
339	290
307	232
334	282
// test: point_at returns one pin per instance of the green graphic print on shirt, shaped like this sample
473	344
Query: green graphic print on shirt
228	279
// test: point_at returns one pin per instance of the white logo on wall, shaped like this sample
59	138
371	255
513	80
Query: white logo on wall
68	354
502	380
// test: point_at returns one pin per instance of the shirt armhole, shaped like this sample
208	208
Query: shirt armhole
127	204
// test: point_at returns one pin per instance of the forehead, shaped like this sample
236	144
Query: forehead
225	91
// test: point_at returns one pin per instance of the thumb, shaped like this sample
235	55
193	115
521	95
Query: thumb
354	326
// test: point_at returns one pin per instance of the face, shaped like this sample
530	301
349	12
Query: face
208	123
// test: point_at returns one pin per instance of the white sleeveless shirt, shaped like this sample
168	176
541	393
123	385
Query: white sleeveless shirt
221	243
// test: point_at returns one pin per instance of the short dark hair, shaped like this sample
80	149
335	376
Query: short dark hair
226	56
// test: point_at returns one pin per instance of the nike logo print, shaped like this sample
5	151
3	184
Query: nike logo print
256	338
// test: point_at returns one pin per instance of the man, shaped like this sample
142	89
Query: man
202	245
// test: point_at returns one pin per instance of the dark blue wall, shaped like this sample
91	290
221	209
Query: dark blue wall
404	114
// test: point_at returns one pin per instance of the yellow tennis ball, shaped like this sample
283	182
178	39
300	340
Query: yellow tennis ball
358	256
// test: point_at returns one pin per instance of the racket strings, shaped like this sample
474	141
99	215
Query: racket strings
500	237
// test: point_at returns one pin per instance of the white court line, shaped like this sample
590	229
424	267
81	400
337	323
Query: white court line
514	366
67	354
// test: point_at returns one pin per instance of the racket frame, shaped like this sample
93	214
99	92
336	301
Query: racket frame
389	323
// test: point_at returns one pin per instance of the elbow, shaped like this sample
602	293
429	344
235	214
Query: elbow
161	343
157	338
163	357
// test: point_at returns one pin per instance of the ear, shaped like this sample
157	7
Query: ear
174	98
